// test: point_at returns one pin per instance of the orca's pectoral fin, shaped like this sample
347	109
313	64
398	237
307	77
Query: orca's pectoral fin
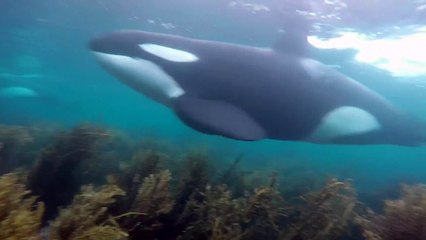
217	117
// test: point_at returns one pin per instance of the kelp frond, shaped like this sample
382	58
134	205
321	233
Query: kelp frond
16	134
87	216
153	197
52	178
326	214
20	215
153	200
102	233
264	210
403	218
218	217
142	164
12	141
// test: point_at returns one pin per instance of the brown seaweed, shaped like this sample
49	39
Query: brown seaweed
52	179
143	163
20	214
158	194
403	218
12	140
326	214
217	217
87	217
265	209
152	202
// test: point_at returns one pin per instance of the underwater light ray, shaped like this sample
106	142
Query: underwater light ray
401	56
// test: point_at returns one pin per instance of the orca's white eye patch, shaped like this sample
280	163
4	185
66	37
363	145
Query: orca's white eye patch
167	53
344	121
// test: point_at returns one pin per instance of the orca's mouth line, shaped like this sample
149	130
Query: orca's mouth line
101	56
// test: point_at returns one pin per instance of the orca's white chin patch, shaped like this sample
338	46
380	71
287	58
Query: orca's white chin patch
167	53
142	75
344	121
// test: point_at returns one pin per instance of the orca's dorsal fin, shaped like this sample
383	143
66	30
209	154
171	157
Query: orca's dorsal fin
295	39
292	44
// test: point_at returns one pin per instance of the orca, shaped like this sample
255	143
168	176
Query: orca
251	93
31	88
28	98
17	91
15	86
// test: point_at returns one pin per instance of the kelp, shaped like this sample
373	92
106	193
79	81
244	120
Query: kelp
234	178
158	193
210	212
12	140
218	217
143	163
87	217
20	145
20	214
194	177
326	214
264	210
110	154
52	178
154	198
152	202
403	218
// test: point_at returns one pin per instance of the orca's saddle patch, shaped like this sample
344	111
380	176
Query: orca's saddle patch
218	117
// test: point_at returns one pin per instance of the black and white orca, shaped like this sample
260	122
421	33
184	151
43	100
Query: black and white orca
251	93
18	86
29	87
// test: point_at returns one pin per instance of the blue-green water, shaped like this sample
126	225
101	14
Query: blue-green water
44	47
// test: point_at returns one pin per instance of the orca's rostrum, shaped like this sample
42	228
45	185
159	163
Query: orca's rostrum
251	93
